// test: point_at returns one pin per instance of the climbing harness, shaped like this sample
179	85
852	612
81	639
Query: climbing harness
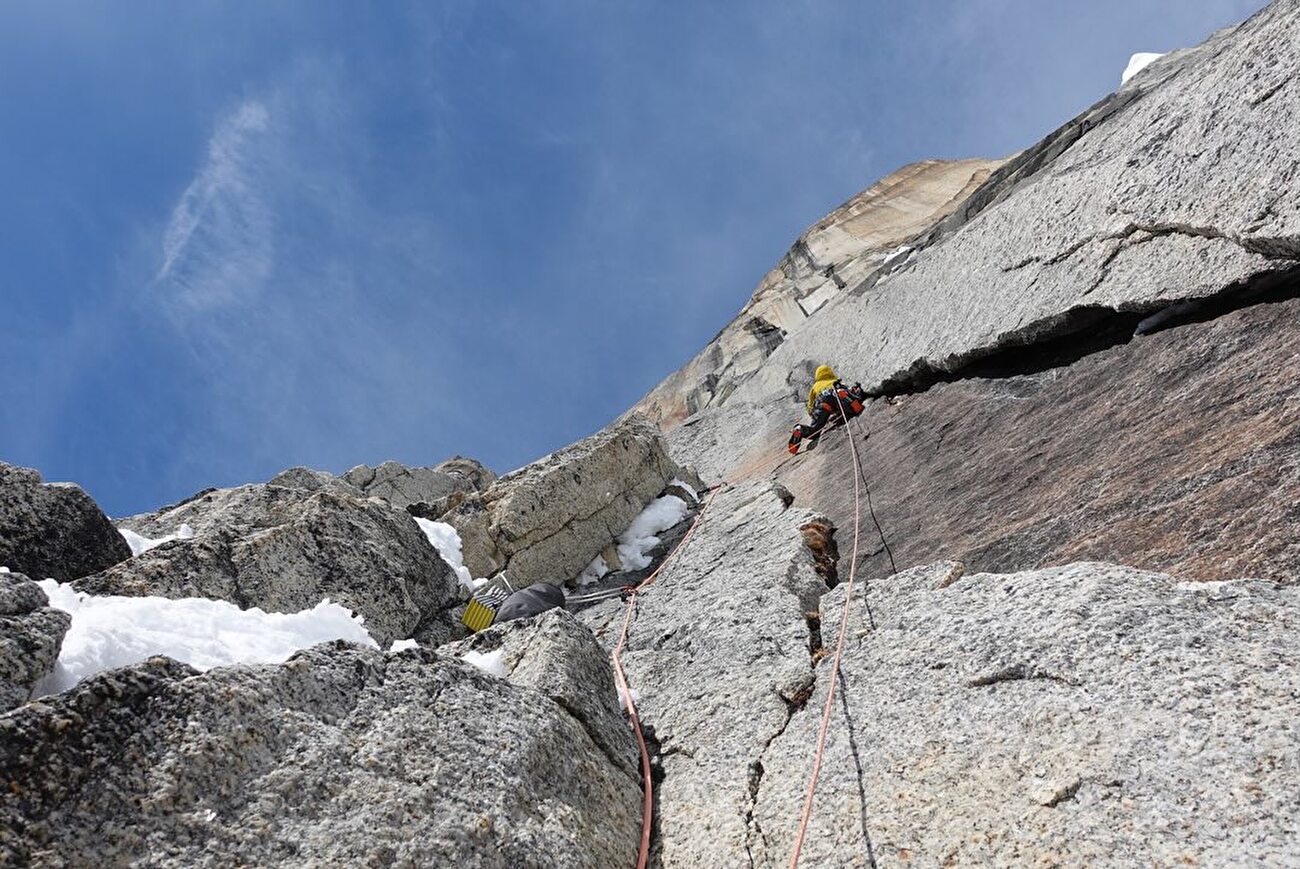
851	401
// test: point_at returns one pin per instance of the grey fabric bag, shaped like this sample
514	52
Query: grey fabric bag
536	598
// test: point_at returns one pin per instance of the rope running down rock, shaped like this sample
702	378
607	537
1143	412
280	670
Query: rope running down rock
839	651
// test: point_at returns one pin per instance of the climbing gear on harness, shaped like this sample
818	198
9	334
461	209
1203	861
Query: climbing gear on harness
851	397
836	402
482	608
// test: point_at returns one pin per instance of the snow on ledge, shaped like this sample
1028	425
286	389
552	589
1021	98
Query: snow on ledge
446	539
489	662
110	631
140	544
1137	63
642	535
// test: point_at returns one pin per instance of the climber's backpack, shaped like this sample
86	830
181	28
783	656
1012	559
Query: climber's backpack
533	600
482	608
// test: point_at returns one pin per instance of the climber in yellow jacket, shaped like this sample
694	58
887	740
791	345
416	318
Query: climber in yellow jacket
829	399
823	380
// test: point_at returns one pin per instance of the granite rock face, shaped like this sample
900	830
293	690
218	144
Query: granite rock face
1177	452
719	655
546	521
1179	186
404	487
340	756
855	243
1076	716
53	529
556	655
284	549
31	633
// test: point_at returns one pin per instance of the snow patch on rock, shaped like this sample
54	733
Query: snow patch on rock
593	572
685	487
491	663
111	631
641	536
140	544
446	540
1139	62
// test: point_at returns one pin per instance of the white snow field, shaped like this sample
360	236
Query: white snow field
112	631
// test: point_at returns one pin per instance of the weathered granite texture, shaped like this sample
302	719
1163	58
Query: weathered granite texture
546	521
719	656
284	549
340	756
1181	185
1079	716
53	529
31	633
1178	452
311	480
404	486
864	237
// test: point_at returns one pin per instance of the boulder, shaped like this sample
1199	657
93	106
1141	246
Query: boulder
718	658
53	529
311	480
31	633
404	486
545	522
340	756
284	549
554	654
1071	716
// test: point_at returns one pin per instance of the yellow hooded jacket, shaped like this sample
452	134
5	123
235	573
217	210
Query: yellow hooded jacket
824	379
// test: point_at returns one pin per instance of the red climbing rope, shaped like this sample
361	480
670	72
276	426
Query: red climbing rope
839	650
762	463
647	812
625	690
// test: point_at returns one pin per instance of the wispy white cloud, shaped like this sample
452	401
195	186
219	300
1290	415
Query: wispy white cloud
217	248
298	291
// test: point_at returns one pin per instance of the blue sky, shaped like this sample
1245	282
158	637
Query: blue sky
236	237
